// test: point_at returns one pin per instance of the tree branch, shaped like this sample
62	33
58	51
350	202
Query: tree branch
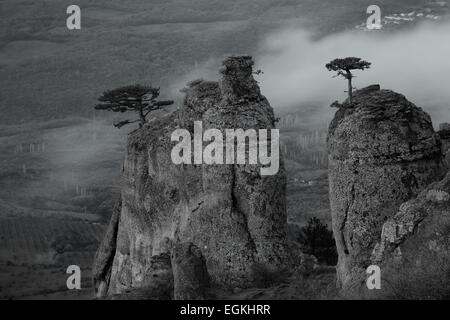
120	124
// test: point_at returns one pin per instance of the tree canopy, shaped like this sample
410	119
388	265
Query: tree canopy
344	68
347	64
142	99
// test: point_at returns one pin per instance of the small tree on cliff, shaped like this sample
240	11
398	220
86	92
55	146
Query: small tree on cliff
344	68
137	98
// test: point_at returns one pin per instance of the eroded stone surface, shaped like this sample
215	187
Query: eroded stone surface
104	257
444	133
190	275
231	213
414	247
382	152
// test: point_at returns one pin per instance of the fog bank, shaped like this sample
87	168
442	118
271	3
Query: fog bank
413	62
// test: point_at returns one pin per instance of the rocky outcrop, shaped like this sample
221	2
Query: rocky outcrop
383	151
234	216
414	248
101	269
444	133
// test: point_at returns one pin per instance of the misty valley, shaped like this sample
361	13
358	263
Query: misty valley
116	135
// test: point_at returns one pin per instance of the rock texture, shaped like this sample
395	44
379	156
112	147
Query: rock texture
383	151
101	270
414	248
232	215
189	272
444	133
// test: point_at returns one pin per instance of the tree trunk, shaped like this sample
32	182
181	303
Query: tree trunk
142	118
350	87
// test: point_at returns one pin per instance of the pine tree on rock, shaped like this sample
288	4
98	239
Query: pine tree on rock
142	99
344	68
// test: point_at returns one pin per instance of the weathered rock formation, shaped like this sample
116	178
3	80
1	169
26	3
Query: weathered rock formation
383	151
189	272
229	216
101	269
444	133
414	248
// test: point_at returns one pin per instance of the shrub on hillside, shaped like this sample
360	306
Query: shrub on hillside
318	241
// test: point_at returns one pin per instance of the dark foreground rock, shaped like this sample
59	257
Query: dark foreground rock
189	272
414	247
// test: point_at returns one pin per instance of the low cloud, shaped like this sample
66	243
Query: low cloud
414	62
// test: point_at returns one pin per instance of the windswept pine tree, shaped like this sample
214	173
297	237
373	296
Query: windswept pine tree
137	98
344	68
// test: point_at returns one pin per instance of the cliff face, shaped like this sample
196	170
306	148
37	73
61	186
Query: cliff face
229	216
413	250
383	151
444	133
